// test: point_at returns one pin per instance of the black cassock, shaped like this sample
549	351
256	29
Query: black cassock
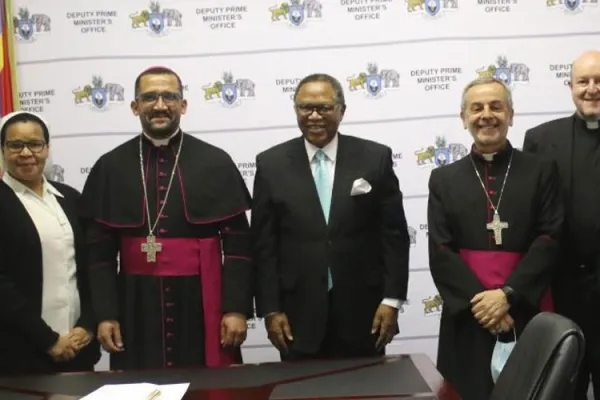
169	310
464	256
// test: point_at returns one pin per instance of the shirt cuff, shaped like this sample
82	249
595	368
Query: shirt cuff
393	303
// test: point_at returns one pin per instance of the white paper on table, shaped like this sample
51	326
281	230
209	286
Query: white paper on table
173	392
138	391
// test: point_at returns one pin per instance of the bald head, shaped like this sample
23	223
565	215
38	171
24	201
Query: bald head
585	84
586	58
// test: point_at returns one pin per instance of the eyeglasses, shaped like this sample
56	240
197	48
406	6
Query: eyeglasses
321	109
17	146
152	97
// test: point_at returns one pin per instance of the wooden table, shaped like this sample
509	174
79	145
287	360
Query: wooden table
406	377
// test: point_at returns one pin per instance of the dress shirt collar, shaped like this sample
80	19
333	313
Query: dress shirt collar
330	149
18	187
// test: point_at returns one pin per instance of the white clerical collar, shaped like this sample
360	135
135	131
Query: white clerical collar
161	142
488	156
589	124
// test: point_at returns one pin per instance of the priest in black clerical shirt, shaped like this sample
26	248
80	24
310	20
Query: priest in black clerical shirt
174	207
494	221
574	143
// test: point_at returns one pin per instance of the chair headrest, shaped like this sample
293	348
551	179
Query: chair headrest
535	351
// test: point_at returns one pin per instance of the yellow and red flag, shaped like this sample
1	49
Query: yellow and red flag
9	95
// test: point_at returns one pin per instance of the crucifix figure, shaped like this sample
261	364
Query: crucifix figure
497	225
151	248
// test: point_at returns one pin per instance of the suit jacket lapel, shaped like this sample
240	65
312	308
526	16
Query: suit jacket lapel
342	184
301	172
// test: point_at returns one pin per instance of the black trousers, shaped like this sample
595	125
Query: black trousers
334	346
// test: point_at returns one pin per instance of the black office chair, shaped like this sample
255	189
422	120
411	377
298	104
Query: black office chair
544	363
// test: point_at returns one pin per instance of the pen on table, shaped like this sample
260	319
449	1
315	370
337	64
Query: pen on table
154	394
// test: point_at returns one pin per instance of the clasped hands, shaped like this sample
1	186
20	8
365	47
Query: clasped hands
67	346
490	309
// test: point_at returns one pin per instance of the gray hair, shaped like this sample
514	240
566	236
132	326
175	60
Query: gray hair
485	80
320	77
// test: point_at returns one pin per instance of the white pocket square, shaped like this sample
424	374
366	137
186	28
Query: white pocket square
360	186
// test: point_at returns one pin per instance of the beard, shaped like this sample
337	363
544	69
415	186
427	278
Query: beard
160	129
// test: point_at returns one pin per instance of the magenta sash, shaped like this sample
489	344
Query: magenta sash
188	257
493	268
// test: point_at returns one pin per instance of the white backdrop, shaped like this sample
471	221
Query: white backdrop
69	51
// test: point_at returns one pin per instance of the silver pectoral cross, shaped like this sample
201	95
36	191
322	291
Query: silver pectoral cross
497	225
151	248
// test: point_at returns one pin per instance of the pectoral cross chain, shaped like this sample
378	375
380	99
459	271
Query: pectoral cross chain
497	225
151	247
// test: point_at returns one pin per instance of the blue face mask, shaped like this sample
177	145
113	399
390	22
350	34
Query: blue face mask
500	355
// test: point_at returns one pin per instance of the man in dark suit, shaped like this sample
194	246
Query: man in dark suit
574	143
331	240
